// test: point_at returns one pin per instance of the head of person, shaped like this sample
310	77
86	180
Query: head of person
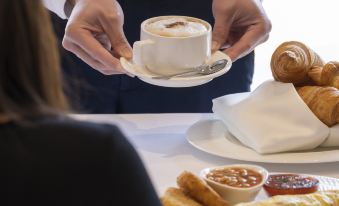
30	79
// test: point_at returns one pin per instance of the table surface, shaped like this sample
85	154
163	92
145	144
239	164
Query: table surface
160	141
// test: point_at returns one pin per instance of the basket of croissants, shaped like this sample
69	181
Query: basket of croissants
316	82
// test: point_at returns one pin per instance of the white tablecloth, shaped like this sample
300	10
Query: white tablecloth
160	141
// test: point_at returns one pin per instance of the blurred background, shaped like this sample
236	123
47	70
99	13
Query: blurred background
313	22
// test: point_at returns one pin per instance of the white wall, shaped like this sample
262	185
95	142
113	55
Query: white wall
316	23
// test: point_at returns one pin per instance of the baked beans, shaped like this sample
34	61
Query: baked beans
235	177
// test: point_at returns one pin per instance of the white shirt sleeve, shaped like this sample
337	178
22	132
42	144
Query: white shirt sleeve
56	6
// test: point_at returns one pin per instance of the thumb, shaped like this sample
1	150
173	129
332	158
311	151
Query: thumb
221	30
120	44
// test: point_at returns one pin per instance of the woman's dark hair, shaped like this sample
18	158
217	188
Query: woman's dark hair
30	78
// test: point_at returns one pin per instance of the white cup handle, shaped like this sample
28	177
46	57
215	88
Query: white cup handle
138	51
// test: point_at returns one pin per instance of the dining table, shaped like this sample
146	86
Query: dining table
160	140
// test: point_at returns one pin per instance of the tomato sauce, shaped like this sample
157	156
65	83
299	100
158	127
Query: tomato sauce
282	184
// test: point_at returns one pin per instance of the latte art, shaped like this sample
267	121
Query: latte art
176	27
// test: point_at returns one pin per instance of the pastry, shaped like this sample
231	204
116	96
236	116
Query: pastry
198	189
291	62
328	75
175	197
323	101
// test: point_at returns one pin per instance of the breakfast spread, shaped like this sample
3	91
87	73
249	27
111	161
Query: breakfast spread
317	83
235	177
294	190
290	184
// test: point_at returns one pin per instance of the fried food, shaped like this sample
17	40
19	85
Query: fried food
175	197
197	189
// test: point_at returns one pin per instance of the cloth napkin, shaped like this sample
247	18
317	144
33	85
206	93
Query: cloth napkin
273	119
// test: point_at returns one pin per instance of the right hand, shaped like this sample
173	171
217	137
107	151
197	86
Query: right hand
240	24
94	33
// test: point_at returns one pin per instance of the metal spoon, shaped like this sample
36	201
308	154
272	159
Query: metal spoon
202	70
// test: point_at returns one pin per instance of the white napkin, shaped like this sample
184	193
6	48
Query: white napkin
333	138
272	119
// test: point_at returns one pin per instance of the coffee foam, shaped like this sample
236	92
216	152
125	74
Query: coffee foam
176	27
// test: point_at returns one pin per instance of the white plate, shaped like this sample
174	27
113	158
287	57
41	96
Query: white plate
146	76
325	183
211	136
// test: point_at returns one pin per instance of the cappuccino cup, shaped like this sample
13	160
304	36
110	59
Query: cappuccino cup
172	44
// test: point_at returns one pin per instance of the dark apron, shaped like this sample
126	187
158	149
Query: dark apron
123	94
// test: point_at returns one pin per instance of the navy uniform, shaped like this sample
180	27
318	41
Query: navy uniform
123	94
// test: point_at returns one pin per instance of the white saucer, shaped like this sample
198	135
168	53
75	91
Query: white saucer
212	136
190	81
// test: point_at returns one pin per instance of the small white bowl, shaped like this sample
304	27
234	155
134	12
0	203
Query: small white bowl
234	195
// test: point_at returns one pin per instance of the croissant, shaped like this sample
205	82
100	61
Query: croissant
291	62
327	75
323	101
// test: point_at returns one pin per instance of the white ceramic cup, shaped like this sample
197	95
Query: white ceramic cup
170	55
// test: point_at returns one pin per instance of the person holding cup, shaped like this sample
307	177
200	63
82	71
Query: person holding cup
238	27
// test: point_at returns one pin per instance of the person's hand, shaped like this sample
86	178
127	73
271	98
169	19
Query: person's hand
94	33
240	25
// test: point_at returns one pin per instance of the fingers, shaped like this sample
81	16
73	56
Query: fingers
92	48
243	24
95	64
87	37
221	31
103	40
253	36
223	16
112	26
120	44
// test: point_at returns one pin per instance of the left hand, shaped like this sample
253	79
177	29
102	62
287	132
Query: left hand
240	24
